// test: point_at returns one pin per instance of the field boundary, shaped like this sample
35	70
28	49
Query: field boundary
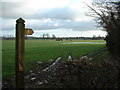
89	56
94	54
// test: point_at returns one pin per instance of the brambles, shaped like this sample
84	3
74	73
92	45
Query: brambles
79	73
76	74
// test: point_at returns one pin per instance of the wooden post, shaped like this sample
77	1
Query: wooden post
20	39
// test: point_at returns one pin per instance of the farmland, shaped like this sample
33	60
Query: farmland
44	50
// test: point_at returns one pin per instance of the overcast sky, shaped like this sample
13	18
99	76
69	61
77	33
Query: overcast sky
63	18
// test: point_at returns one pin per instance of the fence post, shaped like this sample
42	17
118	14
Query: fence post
19	64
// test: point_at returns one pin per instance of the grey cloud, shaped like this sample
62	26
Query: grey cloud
14	10
11	10
56	13
53	24
65	24
8	24
60	18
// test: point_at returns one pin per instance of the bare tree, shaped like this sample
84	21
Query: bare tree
47	35
53	36
107	16
43	35
94	37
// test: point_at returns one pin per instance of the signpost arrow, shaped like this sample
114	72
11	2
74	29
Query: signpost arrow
28	31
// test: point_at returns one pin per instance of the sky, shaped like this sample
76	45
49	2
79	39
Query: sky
62	18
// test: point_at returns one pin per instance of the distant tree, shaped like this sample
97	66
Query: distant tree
53	36
99	37
47	35
43	35
94	37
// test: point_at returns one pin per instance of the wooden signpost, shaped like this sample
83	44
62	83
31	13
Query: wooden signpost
20	51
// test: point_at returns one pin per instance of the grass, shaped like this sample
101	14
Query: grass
98	58
43	50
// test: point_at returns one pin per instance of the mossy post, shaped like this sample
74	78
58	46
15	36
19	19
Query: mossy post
20	48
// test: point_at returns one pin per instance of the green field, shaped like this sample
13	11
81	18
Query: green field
43	50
